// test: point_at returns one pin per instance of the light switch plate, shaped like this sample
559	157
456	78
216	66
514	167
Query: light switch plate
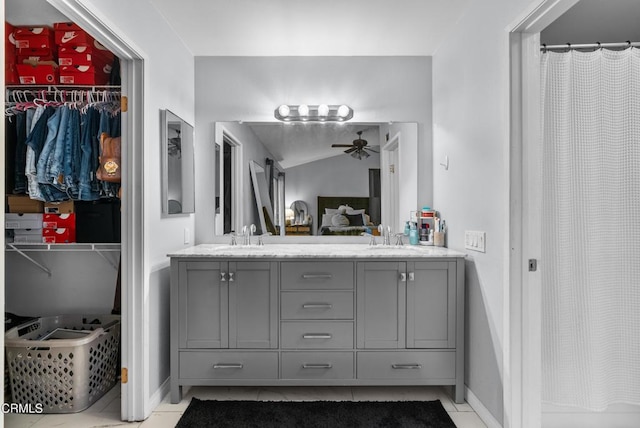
475	240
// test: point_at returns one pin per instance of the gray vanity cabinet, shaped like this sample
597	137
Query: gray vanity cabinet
317	321
228	304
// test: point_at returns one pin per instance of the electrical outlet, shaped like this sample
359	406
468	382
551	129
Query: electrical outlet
475	240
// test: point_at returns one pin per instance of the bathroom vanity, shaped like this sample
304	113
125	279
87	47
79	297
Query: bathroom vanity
317	314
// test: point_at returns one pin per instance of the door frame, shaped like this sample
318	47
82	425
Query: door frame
134	392
522	302
389	183
223	134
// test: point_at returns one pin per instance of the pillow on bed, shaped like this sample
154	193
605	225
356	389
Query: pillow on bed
361	213
326	220
339	220
354	219
333	211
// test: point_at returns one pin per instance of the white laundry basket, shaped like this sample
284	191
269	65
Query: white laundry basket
63	363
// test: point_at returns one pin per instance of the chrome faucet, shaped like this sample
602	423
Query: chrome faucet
386	234
233	239
399	242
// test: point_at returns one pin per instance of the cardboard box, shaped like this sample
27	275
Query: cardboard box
33	37
59	221
27	236
58	236
82	75
65	207
22	221
41	74
73	38
24	204
66	26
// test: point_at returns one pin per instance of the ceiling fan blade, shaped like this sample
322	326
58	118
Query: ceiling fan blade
352	149
342	145
371	150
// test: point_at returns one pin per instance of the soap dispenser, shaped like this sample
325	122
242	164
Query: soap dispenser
413	234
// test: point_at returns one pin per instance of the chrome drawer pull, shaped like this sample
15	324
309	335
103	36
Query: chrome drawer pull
316	336
231	276
228	366
406	366
317	366
223	277
317	306
317	276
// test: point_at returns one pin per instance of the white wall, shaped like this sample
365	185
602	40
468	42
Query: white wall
249	88
339	175
168	84
471	126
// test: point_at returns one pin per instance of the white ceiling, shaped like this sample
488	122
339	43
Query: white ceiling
293	144
311	28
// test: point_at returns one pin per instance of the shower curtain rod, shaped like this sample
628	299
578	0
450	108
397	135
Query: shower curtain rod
597	45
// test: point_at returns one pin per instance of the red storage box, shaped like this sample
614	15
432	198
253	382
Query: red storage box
11	74
33	37
73	38
78	75
41	74
58	236
9	39
58	221
66	26
33	59
40	52
74	59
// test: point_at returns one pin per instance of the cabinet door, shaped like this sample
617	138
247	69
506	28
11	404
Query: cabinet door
380	300
431	304
253	305
202	305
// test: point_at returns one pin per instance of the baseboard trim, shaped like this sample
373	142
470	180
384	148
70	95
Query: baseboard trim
483	413
158	396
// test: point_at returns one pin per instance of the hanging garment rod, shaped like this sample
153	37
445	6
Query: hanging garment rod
596	45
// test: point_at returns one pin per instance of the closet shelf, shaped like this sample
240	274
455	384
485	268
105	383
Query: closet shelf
99	249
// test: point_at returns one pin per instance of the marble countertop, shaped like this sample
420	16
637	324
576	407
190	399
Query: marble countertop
331	250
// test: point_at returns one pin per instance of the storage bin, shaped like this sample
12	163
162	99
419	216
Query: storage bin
64	363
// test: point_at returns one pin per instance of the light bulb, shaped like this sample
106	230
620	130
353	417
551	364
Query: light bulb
343	111
323	110
284	110
303	110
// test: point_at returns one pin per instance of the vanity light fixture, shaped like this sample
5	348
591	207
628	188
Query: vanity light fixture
313	113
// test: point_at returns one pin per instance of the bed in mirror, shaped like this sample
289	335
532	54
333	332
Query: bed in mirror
178	190
318	164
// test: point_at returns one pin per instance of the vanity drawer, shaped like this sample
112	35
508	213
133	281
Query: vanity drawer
228	365
317	365
431	365
317	335
316	275
328	305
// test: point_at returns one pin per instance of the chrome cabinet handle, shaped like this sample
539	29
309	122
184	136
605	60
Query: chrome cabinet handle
317	306
231	276
412	276
223	277
317	366
228	366
403	277
406	366
316	336
317	276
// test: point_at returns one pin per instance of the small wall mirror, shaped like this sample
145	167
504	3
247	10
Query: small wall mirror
178	190
300	212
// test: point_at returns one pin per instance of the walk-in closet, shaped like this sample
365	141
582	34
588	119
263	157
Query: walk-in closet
63	227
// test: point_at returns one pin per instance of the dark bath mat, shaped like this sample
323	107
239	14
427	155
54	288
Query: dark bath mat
315	414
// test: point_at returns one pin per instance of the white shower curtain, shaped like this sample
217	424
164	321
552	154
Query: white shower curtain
591	228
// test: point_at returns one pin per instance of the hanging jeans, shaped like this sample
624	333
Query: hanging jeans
35	143
71	160
88	185
49	192
20	181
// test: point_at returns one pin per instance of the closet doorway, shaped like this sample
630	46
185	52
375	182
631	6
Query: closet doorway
229	180
133	400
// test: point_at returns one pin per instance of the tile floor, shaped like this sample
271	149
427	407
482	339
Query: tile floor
106	411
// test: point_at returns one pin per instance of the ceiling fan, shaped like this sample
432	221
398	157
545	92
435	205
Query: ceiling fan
358	149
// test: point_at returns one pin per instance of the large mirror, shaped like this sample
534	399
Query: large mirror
325	167
178	190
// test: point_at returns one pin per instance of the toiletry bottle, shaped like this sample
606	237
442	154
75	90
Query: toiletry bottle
430	241
413	234
406	229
